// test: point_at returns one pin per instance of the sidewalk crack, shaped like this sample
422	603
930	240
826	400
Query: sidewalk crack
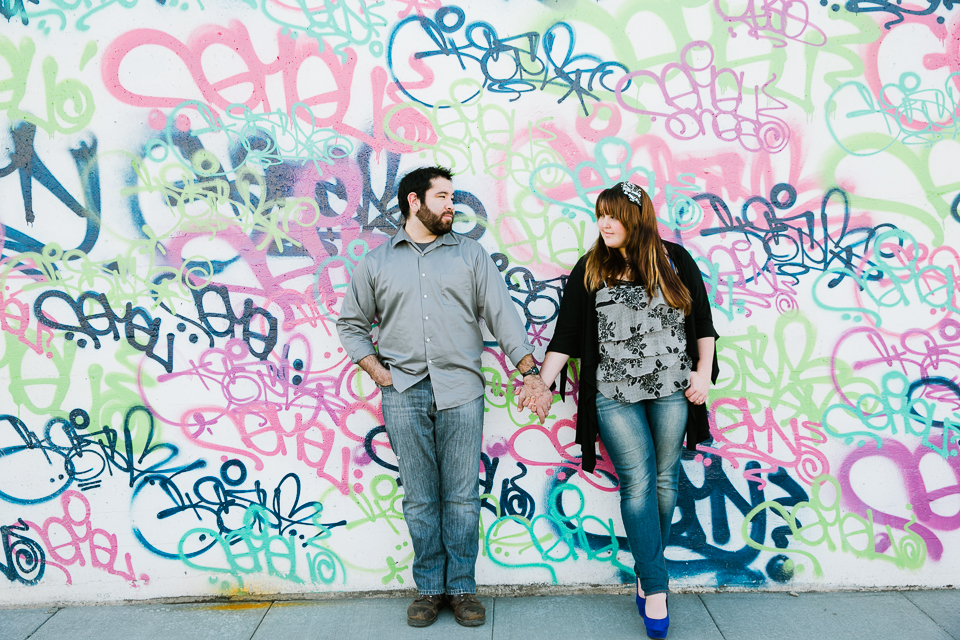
712	619
262	618
50	617
921	609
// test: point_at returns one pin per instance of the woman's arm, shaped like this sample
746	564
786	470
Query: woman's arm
553	364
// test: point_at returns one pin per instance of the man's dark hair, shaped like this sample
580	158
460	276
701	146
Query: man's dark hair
418	182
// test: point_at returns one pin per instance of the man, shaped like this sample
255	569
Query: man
427	286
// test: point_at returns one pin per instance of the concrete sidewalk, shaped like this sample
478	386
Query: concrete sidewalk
890	615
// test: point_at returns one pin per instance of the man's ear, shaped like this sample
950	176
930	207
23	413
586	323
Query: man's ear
414	202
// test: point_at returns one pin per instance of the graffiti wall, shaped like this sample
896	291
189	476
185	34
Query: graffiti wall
187	185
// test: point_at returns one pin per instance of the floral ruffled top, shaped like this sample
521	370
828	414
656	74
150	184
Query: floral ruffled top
642	345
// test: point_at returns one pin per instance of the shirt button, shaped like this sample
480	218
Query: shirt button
424	296
426	317
424	275
430	361
428	339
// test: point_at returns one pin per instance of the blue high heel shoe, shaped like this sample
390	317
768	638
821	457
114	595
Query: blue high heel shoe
641	605
656	628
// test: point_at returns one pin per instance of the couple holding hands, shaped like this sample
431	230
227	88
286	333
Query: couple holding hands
634	311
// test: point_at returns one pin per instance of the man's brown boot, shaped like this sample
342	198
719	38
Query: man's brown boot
422	612
467	610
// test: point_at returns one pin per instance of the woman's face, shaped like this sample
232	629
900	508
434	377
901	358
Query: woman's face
612	233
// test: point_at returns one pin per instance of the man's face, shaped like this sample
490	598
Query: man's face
436	210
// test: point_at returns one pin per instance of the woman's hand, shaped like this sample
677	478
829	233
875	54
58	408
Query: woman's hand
699	387
541	405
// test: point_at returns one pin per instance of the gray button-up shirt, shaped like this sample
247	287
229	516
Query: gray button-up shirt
428	305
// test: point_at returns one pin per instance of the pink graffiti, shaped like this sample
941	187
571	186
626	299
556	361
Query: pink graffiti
558	438
778	21
296	307
917	353
15	319
242	380
732	174
908	465
738	284
951	56
767	443
700	97
293	54
262	434
67	538
418	6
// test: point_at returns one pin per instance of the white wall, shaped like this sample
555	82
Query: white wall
206	175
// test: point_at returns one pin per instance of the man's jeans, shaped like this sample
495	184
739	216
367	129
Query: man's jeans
644	441
439	456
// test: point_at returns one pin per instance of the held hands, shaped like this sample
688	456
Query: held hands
699	388
535	396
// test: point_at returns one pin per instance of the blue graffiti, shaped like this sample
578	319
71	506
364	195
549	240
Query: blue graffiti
30	168
797	243
512	65
70	452
873	6
25	560
10	8
223	497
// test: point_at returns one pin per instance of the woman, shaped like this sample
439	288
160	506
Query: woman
636	313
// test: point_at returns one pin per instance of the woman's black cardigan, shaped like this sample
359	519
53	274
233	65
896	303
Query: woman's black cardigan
576	336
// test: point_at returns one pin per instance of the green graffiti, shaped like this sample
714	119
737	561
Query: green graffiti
830	523
69	103
840	52
384	506
477	138
201	203
787	378
912	162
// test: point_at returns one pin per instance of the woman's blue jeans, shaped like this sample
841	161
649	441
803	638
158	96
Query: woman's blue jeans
438	452
644	440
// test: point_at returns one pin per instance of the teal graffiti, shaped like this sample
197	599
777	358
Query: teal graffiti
904	111
896	258
568	534
253	549
891	412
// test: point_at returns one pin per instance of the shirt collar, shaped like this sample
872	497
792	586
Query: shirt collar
401	235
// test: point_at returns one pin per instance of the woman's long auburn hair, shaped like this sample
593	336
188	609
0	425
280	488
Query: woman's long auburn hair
646	259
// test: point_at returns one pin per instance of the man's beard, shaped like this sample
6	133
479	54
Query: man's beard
434	223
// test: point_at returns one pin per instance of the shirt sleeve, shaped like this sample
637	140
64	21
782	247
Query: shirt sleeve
498	310
357	313
693	279
567	333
